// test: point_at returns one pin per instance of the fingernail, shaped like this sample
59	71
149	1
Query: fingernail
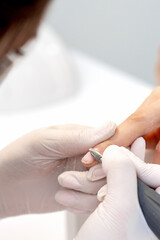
69	181
87	159
96	173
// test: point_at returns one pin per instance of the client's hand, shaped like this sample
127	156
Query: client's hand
119	216
30	166
144	122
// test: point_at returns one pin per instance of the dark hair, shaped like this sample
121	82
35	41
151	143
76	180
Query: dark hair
19	20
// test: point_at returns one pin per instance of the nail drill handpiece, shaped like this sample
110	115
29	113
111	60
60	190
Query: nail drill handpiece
149	200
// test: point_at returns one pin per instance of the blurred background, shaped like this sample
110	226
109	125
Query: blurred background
60	86
124	34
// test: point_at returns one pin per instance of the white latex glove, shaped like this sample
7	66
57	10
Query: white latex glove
79	194
119	216
148	173
29	167
90	182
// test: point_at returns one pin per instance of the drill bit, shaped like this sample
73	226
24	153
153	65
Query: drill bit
95	154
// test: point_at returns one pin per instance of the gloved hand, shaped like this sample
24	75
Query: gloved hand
30	166
89	181
119	215
78	194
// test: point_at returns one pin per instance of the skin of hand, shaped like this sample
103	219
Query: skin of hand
30	166
119	215
145	121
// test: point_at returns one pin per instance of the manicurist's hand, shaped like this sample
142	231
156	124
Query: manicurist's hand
30	166
119	215
144	122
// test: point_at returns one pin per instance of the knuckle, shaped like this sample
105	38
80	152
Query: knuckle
137	117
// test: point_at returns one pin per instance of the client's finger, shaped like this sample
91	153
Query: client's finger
140	123
125	134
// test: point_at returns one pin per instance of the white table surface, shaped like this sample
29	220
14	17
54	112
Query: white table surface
112	93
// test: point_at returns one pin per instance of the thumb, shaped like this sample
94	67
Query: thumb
121	175
138	147
110	218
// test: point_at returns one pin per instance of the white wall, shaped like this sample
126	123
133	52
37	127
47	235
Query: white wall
123	33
